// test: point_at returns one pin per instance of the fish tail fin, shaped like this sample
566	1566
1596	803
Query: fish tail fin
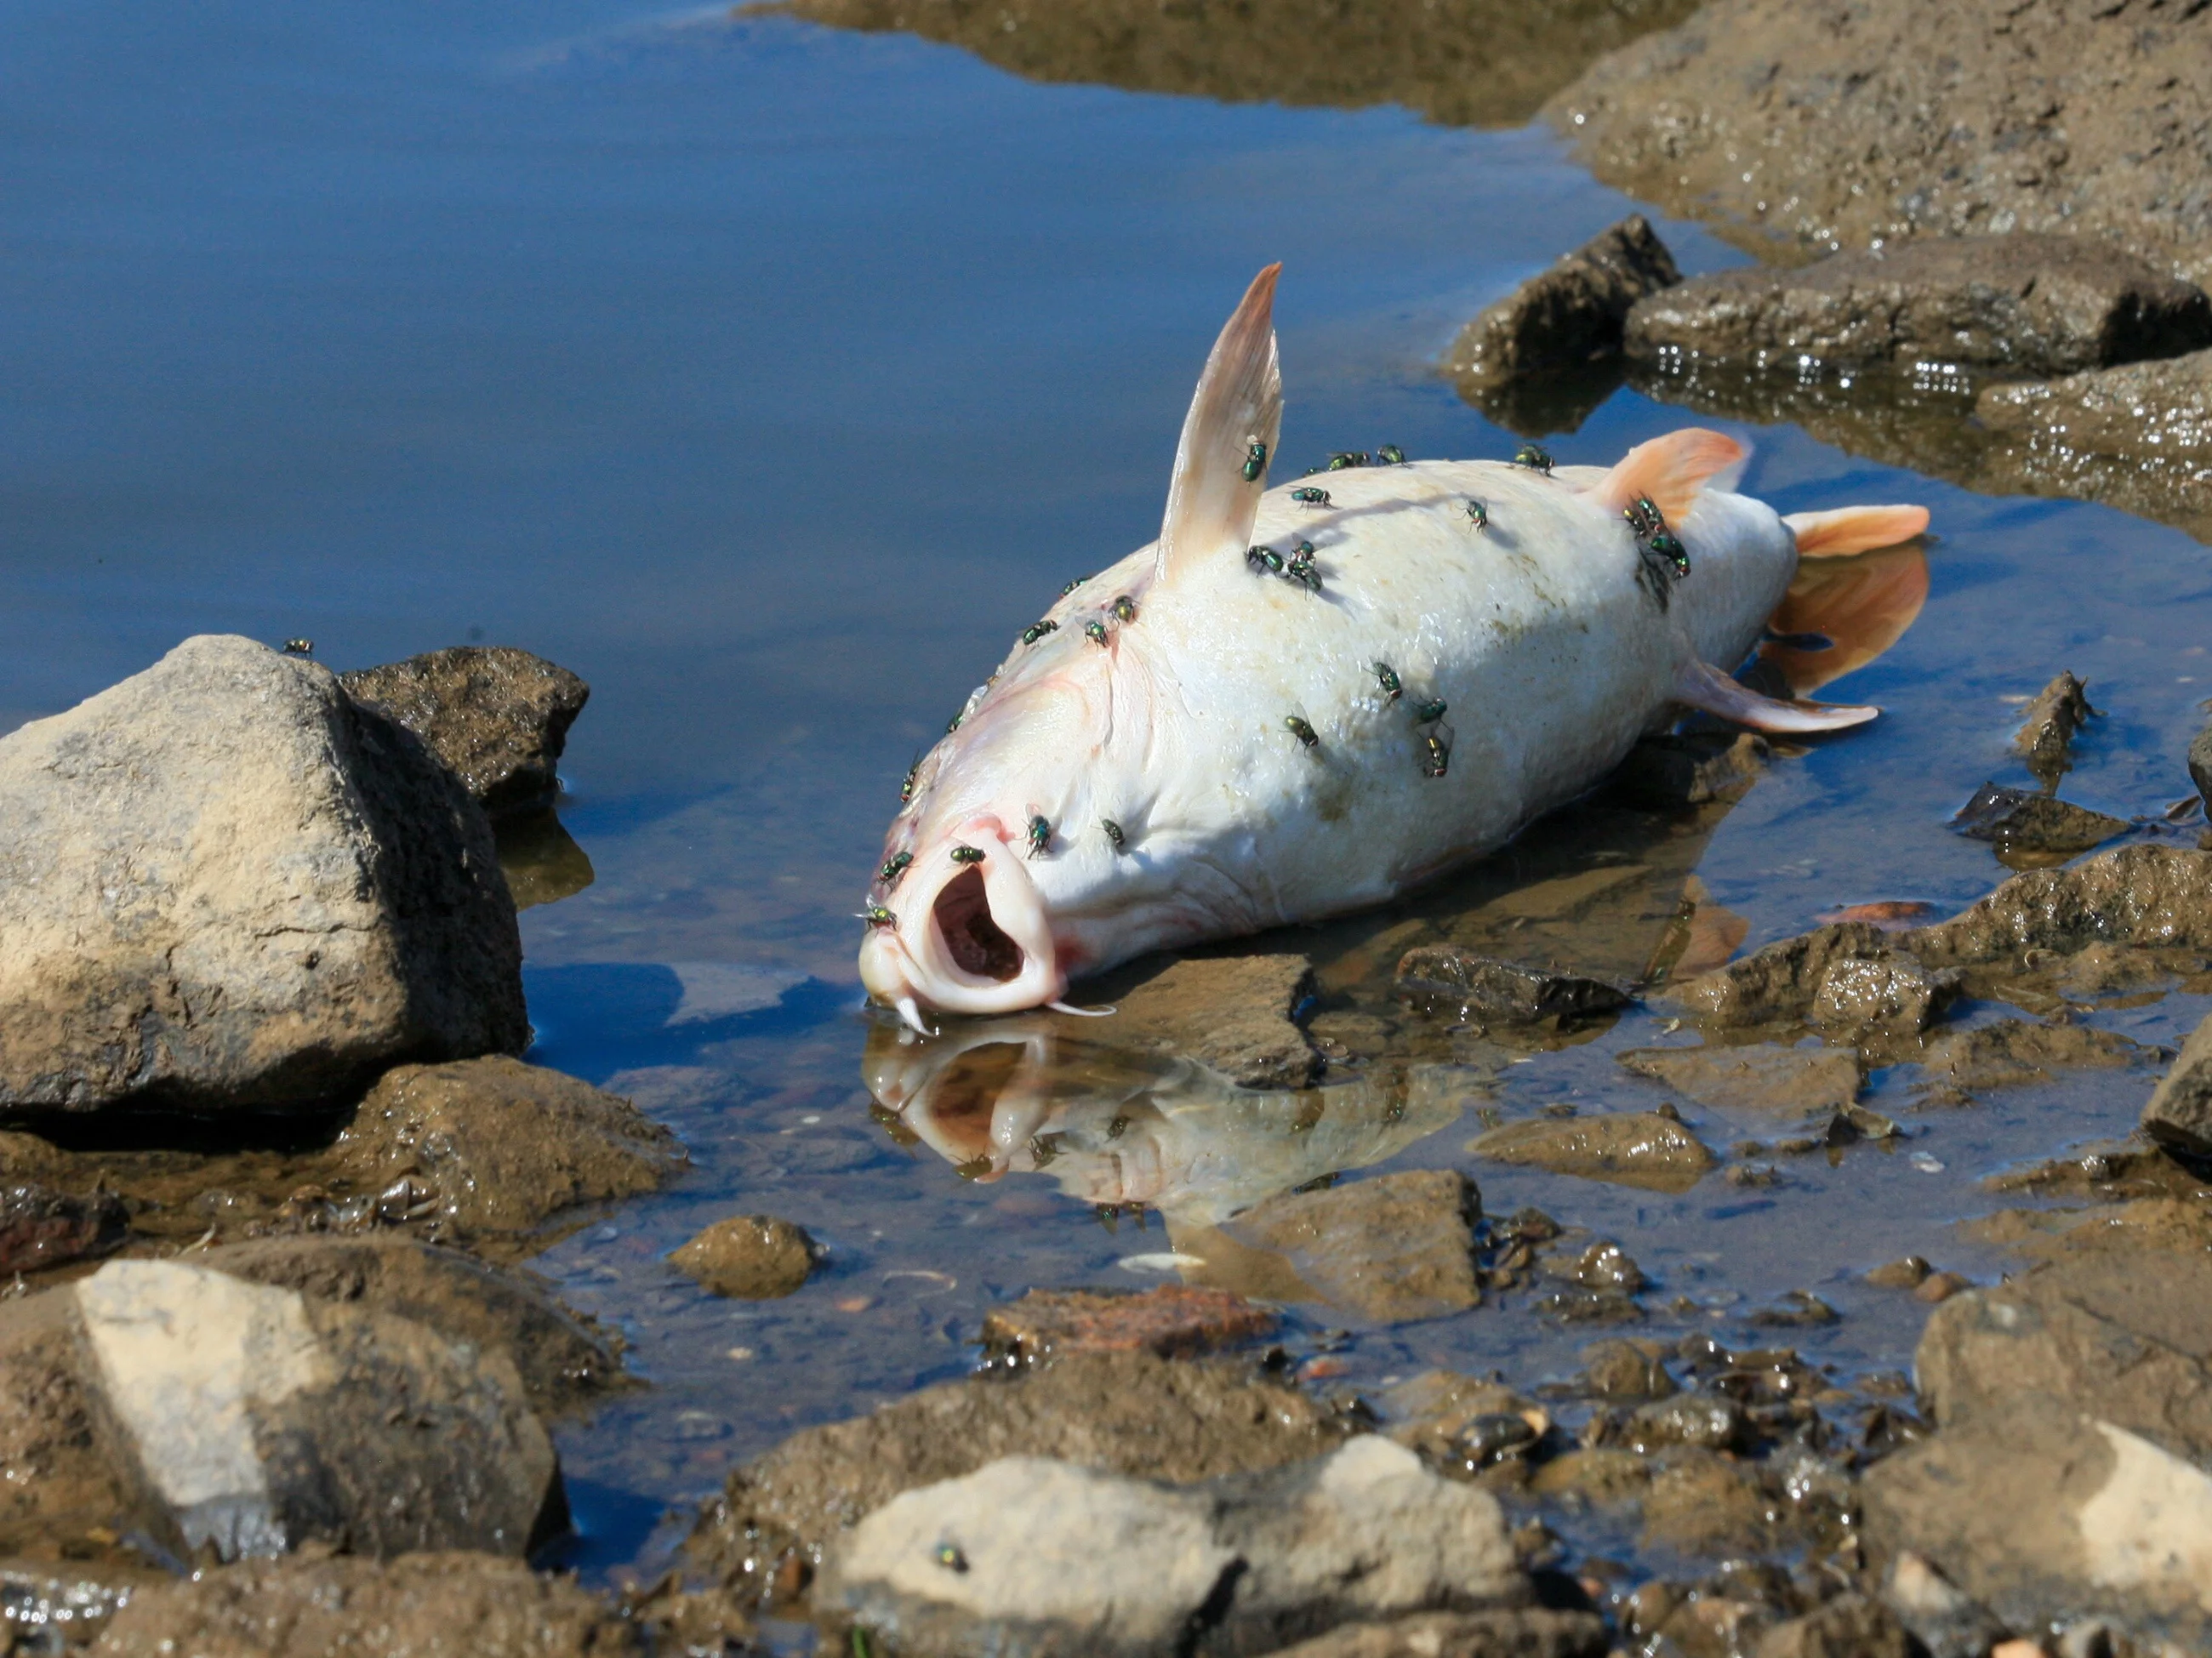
1702	686
1669	471
1238	408
1845	529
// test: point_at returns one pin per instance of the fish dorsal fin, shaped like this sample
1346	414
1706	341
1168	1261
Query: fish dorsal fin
1846	529
1700	685
1211	503
1669	471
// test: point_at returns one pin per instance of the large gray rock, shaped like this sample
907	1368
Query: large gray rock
1566	316
2029	303
1394	1248
498	717
222	885
2180	1113
1031	1556
252	1420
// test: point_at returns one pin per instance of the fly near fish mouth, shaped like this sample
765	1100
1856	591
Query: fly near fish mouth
1241	744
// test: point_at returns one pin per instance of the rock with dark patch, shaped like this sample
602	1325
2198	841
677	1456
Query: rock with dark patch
2038	305
1763	1076
1674	772
563	1363
2148	896
1171	1321
418	1606
1628	1148
1392	1248
2017	822
1502	992
2045	737
1041	1556
252	1420
2180	1113
1237	1015
1780	982
1515	1633
1710	1420
1912	120
41	1228
1127	1412
224	885
1849	1626
2012	1052
1895	997
749	1257
1462	1421
496	1145
498	717
1626	1369
1566	316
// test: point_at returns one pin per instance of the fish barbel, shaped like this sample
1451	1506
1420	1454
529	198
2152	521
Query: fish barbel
1238	727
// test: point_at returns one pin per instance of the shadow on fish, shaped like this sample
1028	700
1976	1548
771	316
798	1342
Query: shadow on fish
1228	758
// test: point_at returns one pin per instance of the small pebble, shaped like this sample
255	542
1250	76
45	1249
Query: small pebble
1927	1163
855	1303
1942	1286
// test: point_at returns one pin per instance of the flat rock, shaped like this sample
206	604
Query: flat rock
1502	992
40	1227
2180	1113
563	1363
1390	1247
1235	1014
498	717
1763	1076
1628	1148
2017	821
1124	1413
749	1257
1172	1321
2045	737
496	1146
1566	316
1676	771
2156	414
2146	896
1780	981
2013	1052
418	1606
2030	304
225	885
254	1420
1910	120
1506	1632
1034	1556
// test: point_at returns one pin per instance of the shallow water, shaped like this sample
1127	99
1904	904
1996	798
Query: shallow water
772	378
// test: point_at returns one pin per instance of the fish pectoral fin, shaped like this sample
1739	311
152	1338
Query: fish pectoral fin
1845	529
1669	471
1238	406
1703	687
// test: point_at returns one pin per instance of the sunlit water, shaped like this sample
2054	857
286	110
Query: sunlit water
772	378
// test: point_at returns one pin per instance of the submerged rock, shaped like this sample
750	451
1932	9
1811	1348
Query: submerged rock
449	1602
1629	1148
1764	1077
1676	771
2146	896
1779	982
2045	737
1237	1014
496	1145
1173	1320
750	1258
2156	415
40	1227
2180	1113
255	1420
498	717
1043	1557
2031	303
1502	991
62	1490
1392	1248
1566	316
2018	821
225	885
2013	1052
1125	1412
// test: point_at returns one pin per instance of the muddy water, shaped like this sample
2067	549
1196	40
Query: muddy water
773	378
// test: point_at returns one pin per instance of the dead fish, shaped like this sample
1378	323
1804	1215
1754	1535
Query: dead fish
1550	637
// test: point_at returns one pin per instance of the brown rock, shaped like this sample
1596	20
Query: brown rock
1849	1626
1626	1369
1779	982
496	1146
498	717
1764	1077
1608	1477
40	1227
1629	1148
2156	417
2180	1113
1172	1321
60	1486
1447	1417
1941	1287
2146	896
1908	1273
1235	1014
1519	1632
748	1257
1675	772
1392	1248
1701	1502
1502	992
418	1606
2021	823
2031	303
2045	737
1568	315
1896	998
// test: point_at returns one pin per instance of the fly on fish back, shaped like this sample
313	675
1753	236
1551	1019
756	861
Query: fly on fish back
1264	558
1115	834
1478	514
1435	751
1124	609
1427	713
894	866
1534	457
1255	461
1389	455
1095	632
1387	677
1310	497
1039	833
1034	633
1298	728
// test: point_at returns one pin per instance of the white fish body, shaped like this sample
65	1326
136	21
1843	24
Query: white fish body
1551	633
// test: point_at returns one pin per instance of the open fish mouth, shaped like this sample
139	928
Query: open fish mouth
974	940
